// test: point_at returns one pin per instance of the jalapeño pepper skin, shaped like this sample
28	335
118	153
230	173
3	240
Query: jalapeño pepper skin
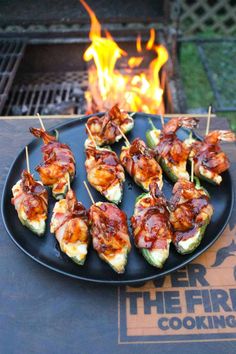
104	171
140	163
69	223
190	213
210	161
109	231
196	240
151	228
170	152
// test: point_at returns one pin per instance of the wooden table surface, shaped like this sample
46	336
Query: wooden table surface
45	312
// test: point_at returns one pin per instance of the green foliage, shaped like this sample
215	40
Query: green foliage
196	84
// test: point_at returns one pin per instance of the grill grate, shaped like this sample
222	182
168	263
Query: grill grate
48	94
218	59
11	53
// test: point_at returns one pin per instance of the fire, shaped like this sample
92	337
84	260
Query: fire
135	89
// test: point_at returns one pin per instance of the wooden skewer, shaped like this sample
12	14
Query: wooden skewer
124	136
77	116
192	170
208	120
41	122
132	114
162	121
27	158
91	135
89	193
68	179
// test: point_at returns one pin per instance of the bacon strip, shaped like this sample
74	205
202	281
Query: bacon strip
190	209
140	163
150	223
209	158
105	129
58	162
30	198
109	229
72	210
104	170
172	149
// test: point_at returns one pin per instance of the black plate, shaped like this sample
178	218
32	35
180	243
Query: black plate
46	251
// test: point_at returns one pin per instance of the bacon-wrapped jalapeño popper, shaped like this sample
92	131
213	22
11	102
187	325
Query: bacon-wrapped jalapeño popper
139	161
172	153
109	231
30	199
151	227
209	159
105	130
58	164
190	213
104	172
70	224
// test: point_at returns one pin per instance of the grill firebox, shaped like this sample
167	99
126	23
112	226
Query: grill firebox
52	79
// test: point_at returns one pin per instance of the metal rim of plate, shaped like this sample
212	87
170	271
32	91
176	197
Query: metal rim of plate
107	281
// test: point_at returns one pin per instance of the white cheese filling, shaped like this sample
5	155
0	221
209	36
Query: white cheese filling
189	244
155	134
114	193
77	249
159	256
208	174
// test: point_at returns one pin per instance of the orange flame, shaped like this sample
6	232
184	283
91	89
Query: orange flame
139	44
151	40
134	61
108	85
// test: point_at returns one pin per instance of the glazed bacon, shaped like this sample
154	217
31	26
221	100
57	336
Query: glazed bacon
151	226
190	209
30	198
104	170
140	163
172	149
209	160
58	163
105	129
70	225
68	220
109	229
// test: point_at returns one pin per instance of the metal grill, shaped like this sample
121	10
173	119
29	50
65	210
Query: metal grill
50	93
11	53
218	60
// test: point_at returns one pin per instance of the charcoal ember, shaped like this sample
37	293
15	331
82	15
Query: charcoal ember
19	110
77	92
59	108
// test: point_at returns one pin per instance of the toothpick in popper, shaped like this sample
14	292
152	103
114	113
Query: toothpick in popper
192	170
41	122
27	158
162	120
89	193
91	135
208	121
124	136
